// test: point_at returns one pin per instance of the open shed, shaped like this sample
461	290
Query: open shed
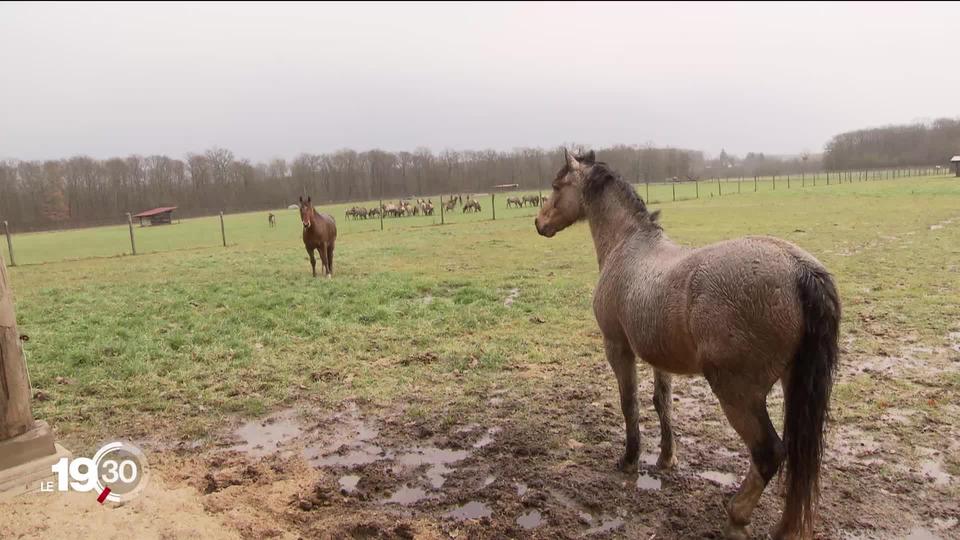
955	160
157	216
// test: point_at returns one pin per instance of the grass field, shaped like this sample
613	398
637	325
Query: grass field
241	229
430	328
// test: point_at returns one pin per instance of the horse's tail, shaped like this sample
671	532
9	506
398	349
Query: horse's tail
807	395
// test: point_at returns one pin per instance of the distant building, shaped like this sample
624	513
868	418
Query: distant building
157	216
956	164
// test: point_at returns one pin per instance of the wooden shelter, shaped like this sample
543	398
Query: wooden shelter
956	164
157	216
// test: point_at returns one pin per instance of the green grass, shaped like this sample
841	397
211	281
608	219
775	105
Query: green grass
171	343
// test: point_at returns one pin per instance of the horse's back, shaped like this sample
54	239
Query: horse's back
734	299
744	300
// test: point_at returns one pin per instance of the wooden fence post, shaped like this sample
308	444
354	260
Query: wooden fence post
6	230
223	231
27	448
493	206
133	245
441	214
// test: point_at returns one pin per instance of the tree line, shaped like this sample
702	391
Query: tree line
82	191
909	145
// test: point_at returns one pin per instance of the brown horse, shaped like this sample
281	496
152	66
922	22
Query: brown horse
744	313
319	233
272	219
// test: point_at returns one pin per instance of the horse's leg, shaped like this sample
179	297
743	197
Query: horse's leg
663	403
746	410
313	261
323	256
330	259
624	365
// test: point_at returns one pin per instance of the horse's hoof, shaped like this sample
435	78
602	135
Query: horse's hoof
628	466
666	463
736	532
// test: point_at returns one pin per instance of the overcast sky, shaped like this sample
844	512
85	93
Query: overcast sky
279	79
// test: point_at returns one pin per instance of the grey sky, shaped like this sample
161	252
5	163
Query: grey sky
275	80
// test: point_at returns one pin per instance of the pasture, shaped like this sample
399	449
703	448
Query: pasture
450	380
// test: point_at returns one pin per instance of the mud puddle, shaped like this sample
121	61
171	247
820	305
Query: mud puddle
530	520
471	510
266	436
720	478
648	483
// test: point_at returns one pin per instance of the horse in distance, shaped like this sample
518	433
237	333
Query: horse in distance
319	234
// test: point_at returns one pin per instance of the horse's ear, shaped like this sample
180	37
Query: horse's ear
308	199
591	157
654	216
571	159
301	199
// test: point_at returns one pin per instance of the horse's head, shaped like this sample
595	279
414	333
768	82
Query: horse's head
564	206
306	212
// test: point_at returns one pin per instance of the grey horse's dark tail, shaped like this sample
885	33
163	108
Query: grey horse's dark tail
807	396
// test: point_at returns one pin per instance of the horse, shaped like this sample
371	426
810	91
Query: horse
272	219
450	204
319	233
514	201
744	313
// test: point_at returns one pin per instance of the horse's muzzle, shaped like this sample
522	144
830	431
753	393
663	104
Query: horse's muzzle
546	231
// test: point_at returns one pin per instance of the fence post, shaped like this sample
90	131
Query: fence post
223	231
6	230
133	245
674	186
648	190
441	213
788	180
774	182
739	181
493	206
27	447
697	184
719	189
754	183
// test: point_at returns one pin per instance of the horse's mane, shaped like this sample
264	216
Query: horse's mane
601	178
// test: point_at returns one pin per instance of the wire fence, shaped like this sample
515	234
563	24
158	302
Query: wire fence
372	216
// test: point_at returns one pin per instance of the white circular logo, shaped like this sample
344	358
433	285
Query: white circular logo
118	472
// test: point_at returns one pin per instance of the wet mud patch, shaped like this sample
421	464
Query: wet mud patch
541	463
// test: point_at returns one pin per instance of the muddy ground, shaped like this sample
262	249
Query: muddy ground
362	472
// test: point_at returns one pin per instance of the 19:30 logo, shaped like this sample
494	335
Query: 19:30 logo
118	472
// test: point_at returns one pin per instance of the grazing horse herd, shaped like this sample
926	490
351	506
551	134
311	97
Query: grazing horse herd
405	208
746	314
402	208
